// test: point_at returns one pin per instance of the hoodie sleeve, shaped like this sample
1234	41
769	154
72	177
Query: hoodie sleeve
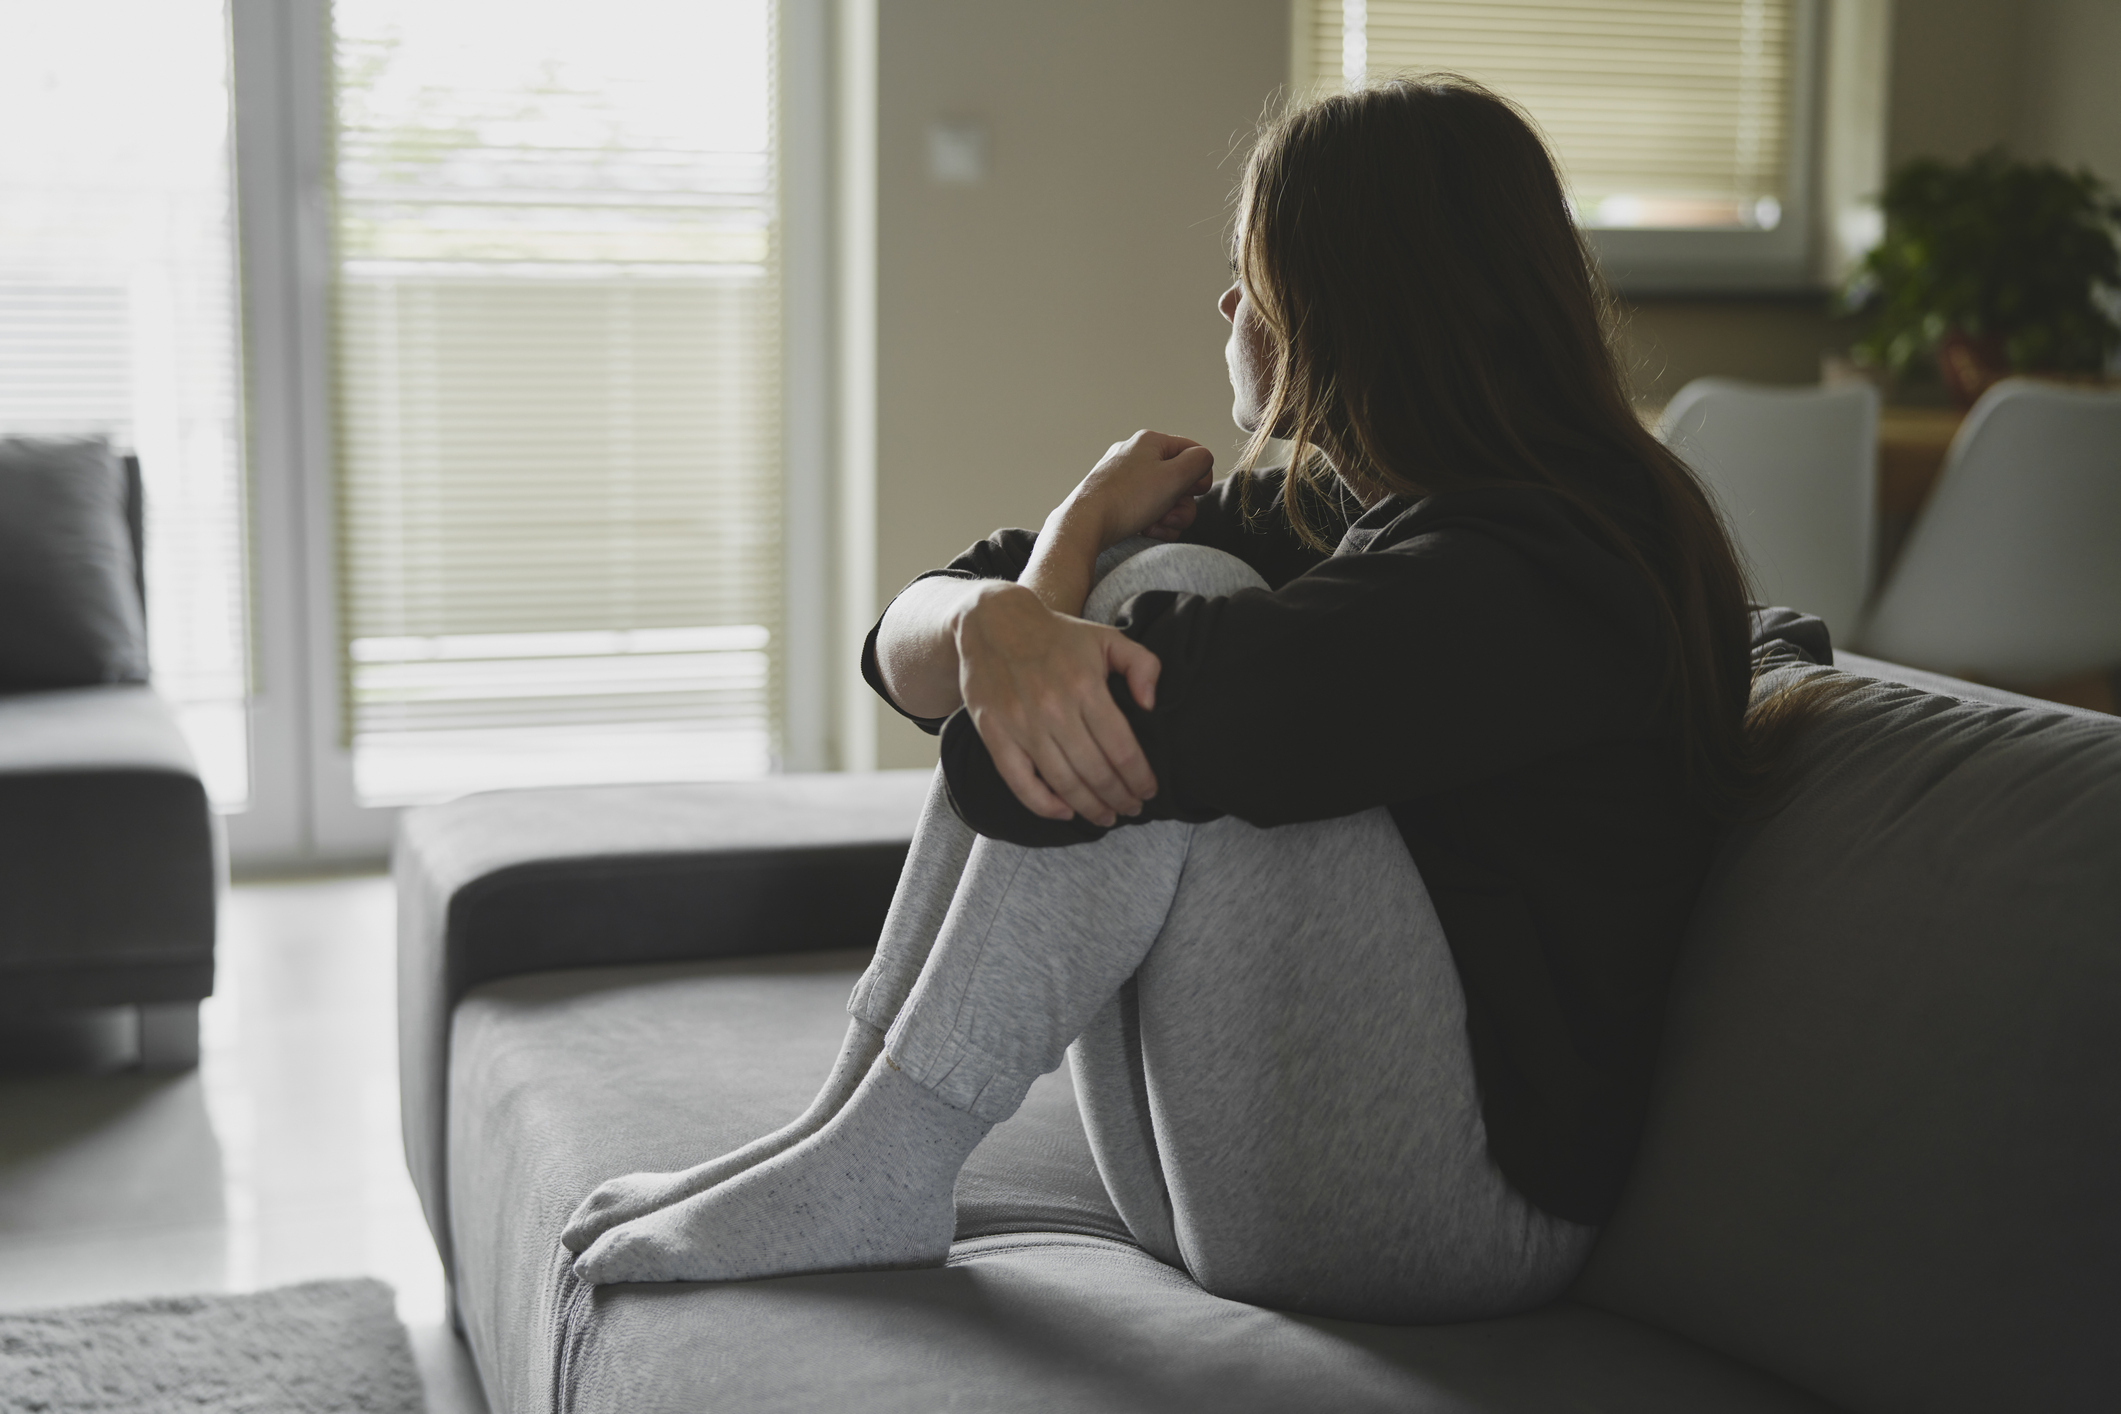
1375	678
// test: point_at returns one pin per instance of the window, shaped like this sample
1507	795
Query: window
1680	125
118	313
555	337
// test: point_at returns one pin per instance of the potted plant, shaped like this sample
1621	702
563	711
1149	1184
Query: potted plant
1991	267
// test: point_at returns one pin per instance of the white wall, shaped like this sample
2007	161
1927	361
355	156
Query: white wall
1027	321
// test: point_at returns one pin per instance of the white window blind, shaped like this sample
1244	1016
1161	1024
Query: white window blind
118	313
556	342
1669	114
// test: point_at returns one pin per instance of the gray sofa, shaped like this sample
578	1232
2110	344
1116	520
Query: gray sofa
109	858
1883	1171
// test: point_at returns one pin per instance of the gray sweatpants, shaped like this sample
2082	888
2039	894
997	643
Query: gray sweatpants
1266	1031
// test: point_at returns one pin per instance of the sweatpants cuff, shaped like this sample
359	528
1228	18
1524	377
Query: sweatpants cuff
958	1077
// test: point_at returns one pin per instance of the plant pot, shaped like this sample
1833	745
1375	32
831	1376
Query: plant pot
1971	364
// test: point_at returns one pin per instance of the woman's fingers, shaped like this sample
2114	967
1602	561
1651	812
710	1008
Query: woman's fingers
1139	482
1164	444
1037	686
1116	743
1175	521
1060	776
1141	667
1023	780
1086	749
1195	459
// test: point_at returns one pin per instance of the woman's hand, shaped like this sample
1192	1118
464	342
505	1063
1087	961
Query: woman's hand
1034	682
1032	674
1145	485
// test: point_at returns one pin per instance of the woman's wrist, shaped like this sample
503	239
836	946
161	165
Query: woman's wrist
978	594
1064	560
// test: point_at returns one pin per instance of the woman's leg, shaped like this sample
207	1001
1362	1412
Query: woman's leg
991	963
941	843
1335	1163
1033	944
1284	1100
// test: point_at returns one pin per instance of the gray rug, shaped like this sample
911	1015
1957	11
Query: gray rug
325	1347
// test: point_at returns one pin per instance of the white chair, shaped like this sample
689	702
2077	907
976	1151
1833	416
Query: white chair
2012	572
1795	472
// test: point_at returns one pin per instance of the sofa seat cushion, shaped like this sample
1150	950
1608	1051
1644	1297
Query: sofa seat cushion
559	1080
107	855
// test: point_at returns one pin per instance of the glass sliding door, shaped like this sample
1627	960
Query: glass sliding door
118	312
455	366
554	334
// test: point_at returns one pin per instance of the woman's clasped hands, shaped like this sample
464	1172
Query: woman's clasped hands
1033	675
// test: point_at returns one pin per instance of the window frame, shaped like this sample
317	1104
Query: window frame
1698	262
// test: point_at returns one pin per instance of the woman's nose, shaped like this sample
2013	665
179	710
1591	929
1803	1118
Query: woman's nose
1228	303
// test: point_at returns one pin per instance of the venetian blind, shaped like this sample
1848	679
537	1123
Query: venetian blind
1663	113
556	338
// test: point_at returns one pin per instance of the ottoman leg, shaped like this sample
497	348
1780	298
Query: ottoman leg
169	1035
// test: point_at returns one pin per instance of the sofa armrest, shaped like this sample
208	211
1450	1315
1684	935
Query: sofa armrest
527	881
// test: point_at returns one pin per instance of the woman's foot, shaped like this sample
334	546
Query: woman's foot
636	1195
871	1189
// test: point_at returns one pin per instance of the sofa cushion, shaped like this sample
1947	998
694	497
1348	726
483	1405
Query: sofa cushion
1885	1156
562	1079
108	864
70	612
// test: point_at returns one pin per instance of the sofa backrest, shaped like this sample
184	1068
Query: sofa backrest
1884	1160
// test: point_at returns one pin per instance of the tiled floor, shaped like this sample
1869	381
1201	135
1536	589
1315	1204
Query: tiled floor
277	1161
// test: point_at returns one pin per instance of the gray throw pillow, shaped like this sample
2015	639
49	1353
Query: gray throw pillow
70	612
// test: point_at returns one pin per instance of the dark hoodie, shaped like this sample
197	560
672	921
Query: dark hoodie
1481	664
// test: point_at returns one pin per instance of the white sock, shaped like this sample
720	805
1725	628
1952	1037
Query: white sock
870	1190
638	1194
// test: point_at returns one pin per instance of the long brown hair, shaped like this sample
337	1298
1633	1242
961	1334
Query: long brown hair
1436	320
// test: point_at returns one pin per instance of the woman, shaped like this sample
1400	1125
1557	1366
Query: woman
1348	834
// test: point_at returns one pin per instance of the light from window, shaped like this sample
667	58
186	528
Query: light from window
556	334
118	311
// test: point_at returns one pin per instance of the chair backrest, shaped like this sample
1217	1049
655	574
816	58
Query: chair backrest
1795	472
2013	570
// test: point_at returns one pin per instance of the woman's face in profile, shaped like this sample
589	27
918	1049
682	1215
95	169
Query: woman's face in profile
1247	355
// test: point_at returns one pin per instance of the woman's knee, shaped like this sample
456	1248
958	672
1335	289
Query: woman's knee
1192	569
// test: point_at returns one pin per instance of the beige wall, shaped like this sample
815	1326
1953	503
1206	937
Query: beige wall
1666	344
1027	321
2069	86
1955	76
2041	77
